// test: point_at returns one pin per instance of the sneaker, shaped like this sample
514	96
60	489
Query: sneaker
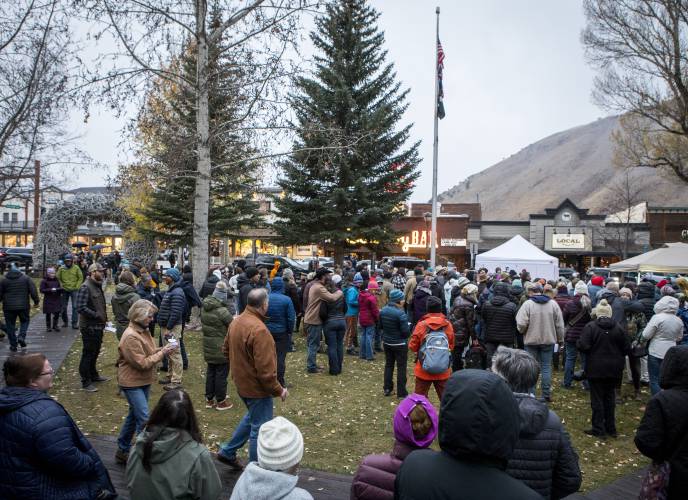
210	403
172	386
165	380
101	379
22	342
388	392
233	462
90	388
224	405
121	457
318	369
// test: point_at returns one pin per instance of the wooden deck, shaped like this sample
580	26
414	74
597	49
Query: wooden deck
322	485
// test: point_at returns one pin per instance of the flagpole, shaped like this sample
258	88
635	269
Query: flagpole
433	230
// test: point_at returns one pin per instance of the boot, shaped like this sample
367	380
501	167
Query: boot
48	325
637	395
56	324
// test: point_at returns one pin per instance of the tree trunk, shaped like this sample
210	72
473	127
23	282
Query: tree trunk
202	195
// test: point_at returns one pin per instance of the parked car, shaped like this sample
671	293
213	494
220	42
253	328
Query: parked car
409	263
21	256
322	262
267	261
566	272
605	272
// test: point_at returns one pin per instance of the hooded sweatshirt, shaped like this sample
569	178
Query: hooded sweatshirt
124	297
256	483
181	469
541	321
662	432
664	328
478	429
543	457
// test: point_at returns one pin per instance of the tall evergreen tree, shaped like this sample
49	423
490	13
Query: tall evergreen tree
167	135
350	170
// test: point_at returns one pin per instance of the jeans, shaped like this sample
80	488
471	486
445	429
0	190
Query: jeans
216	381
654	367
543	354
137	397
334	337
603	404
66	295
313	341
92	338
259	412
11	325
396	354
281	348
572	353
367	334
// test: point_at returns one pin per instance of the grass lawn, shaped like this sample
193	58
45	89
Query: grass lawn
342	418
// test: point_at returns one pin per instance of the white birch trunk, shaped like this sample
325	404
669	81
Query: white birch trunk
199	256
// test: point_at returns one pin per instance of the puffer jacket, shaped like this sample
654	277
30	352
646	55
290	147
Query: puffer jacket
664	329
663	431
15	290
281	314
172	307
208	286
420	300
124	297
43	454
605	345
499	317
646	296
368	313
374	479
215	320
543	457
463	320
574	329
395	325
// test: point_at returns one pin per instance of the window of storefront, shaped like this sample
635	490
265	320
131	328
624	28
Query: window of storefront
11	240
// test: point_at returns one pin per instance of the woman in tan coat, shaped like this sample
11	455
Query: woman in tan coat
138	356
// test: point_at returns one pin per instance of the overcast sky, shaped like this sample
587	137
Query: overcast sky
514	74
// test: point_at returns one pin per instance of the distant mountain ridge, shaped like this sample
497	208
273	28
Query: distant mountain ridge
575	164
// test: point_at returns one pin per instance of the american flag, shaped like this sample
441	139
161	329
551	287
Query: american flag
440	90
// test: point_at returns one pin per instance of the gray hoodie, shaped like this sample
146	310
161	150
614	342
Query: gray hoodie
664	328
256	483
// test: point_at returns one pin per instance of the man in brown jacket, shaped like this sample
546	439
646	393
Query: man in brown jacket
311	318
250	349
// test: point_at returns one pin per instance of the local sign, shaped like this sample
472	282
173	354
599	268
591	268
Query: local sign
568	241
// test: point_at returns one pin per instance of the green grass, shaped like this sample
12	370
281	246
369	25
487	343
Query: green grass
342	418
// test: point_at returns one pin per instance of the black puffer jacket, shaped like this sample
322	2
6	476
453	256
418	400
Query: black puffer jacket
571	311
605	345
463	318
646	296
478	429
543	457
620	307
208	286
499	316
15	290
663	431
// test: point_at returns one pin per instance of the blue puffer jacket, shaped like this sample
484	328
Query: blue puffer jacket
172	307
43	454
395	325
281	314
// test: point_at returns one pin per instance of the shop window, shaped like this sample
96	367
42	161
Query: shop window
15	216
6	217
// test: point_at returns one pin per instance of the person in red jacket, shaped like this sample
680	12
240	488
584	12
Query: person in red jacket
368	314
415	428
433	320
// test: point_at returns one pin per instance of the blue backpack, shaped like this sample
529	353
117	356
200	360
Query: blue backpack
434	355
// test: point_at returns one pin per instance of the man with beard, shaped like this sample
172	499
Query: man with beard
90	304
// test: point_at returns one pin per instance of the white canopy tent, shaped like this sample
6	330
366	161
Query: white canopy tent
672	258
518	253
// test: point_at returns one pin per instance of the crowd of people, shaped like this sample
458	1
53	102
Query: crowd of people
482	340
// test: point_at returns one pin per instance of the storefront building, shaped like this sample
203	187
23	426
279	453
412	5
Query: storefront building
577	238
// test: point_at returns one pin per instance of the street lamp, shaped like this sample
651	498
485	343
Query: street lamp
427	217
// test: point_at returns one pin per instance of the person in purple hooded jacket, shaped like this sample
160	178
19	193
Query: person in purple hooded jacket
51	289
415	427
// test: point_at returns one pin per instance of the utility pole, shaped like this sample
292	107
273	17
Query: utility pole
433	227
36	195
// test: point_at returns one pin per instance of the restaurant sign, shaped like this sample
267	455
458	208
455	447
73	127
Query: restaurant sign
453	242
417	239
569	241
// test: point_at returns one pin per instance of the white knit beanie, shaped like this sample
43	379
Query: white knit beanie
581	288
280	445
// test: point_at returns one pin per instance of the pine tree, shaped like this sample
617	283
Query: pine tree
167	135
349	172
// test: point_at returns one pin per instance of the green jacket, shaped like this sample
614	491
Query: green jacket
215	318
181	469
124	297
70	278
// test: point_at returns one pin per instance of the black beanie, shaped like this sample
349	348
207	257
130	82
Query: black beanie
434	305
